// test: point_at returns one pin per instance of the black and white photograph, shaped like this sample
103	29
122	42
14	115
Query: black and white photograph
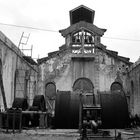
69	70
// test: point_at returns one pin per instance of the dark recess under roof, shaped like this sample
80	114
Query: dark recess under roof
81	13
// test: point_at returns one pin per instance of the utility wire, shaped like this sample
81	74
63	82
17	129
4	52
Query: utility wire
27	27
121	38
47	30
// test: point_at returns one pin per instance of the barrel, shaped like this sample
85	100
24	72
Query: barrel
114	112
67	110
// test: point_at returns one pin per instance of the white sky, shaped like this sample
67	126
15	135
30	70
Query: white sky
120	18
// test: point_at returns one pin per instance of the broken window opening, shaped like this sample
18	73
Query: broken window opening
83	84
83	42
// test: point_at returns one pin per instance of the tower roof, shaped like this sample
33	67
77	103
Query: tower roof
81	13
82	24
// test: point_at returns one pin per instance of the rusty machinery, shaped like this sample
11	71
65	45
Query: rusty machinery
113	106
81	111
21	115
78	110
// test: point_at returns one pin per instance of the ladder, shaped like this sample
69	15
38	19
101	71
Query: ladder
23	41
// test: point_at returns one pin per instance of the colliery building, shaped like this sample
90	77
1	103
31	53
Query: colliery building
18	74
82	65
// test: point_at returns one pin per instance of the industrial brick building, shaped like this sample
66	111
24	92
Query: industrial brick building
83	63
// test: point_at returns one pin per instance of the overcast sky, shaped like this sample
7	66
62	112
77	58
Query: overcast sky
120	18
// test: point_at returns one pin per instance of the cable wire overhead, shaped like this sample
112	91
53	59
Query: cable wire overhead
48	30
121	38
28	27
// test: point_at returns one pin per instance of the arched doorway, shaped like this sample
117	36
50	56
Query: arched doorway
83	84
50	95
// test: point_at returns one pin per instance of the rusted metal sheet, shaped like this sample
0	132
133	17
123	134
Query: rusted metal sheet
62	109
114	112
74	110
67	110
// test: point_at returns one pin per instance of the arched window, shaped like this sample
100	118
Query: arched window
50	95
83	84
82	42
50	90
116	86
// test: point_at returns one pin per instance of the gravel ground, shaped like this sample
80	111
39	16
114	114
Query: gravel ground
48	134
41	134
31	137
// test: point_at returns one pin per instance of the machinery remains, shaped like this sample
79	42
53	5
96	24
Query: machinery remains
21	116
79	110
73	110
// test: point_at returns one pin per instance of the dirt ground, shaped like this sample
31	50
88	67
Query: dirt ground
40	134
31	137
48	134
